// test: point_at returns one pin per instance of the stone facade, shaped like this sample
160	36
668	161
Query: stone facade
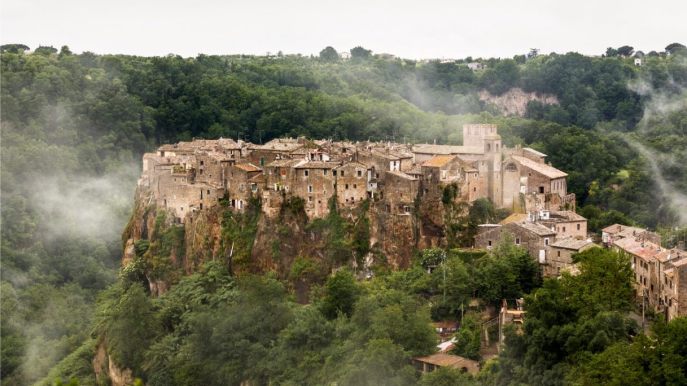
660	273
190	176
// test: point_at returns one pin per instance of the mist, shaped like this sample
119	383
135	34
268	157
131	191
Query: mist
85	206
660	102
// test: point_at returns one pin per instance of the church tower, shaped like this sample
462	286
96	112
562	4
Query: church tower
492	155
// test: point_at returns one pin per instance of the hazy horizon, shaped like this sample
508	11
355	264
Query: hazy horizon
435	29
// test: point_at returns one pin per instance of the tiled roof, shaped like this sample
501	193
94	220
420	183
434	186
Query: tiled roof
448	360
643	249
568	215
439	160
426	148
541	168
401	175
571	243
537	229
317	165
248	167
537	153
515	217
282	163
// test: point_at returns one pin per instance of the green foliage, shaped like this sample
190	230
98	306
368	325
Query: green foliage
341	293
660	359
238	234
571	318
446	376
507	272
329	54
468	338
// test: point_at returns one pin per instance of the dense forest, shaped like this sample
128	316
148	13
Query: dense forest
74	127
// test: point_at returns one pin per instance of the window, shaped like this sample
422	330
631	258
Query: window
578	227
355	186
346	186
202	163
309	188
262	161
517	241
559	253
201	205
546	241
360	173
334	173
342	173
305	172
489	243
563	229
310	198
541	189
325	171
208	192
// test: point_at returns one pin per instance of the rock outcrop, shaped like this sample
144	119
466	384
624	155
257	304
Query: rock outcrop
515	100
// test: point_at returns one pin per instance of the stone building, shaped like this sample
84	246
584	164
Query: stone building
660	273
560	255
392	175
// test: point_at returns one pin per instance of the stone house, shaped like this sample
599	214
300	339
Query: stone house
351	183
429	363
560	255
399	192
240	184
567	224
533	237
315	183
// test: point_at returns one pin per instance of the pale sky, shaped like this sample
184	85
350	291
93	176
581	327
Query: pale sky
410	29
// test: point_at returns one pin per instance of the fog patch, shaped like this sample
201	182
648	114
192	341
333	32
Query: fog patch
86	206
659	103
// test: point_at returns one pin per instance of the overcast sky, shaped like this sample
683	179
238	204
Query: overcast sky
410	29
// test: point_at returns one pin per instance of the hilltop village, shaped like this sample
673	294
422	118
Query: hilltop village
398	180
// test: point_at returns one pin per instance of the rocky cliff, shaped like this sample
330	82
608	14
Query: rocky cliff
515	100
299	250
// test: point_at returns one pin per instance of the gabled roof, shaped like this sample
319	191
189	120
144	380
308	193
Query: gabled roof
438	161
426	148
537	153
515	217
448	360
568	215
541	168
572	244
401	175
248	167
317	165
285	163
643	249
535	228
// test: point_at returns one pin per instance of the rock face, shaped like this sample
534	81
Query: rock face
106	370
251	242
515	100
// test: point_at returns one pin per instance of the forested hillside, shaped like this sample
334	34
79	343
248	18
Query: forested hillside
74	127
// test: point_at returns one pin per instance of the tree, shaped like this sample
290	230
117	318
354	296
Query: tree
674	47
329	54
447	376
468	338
45	50
341	293
625	51
360	53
